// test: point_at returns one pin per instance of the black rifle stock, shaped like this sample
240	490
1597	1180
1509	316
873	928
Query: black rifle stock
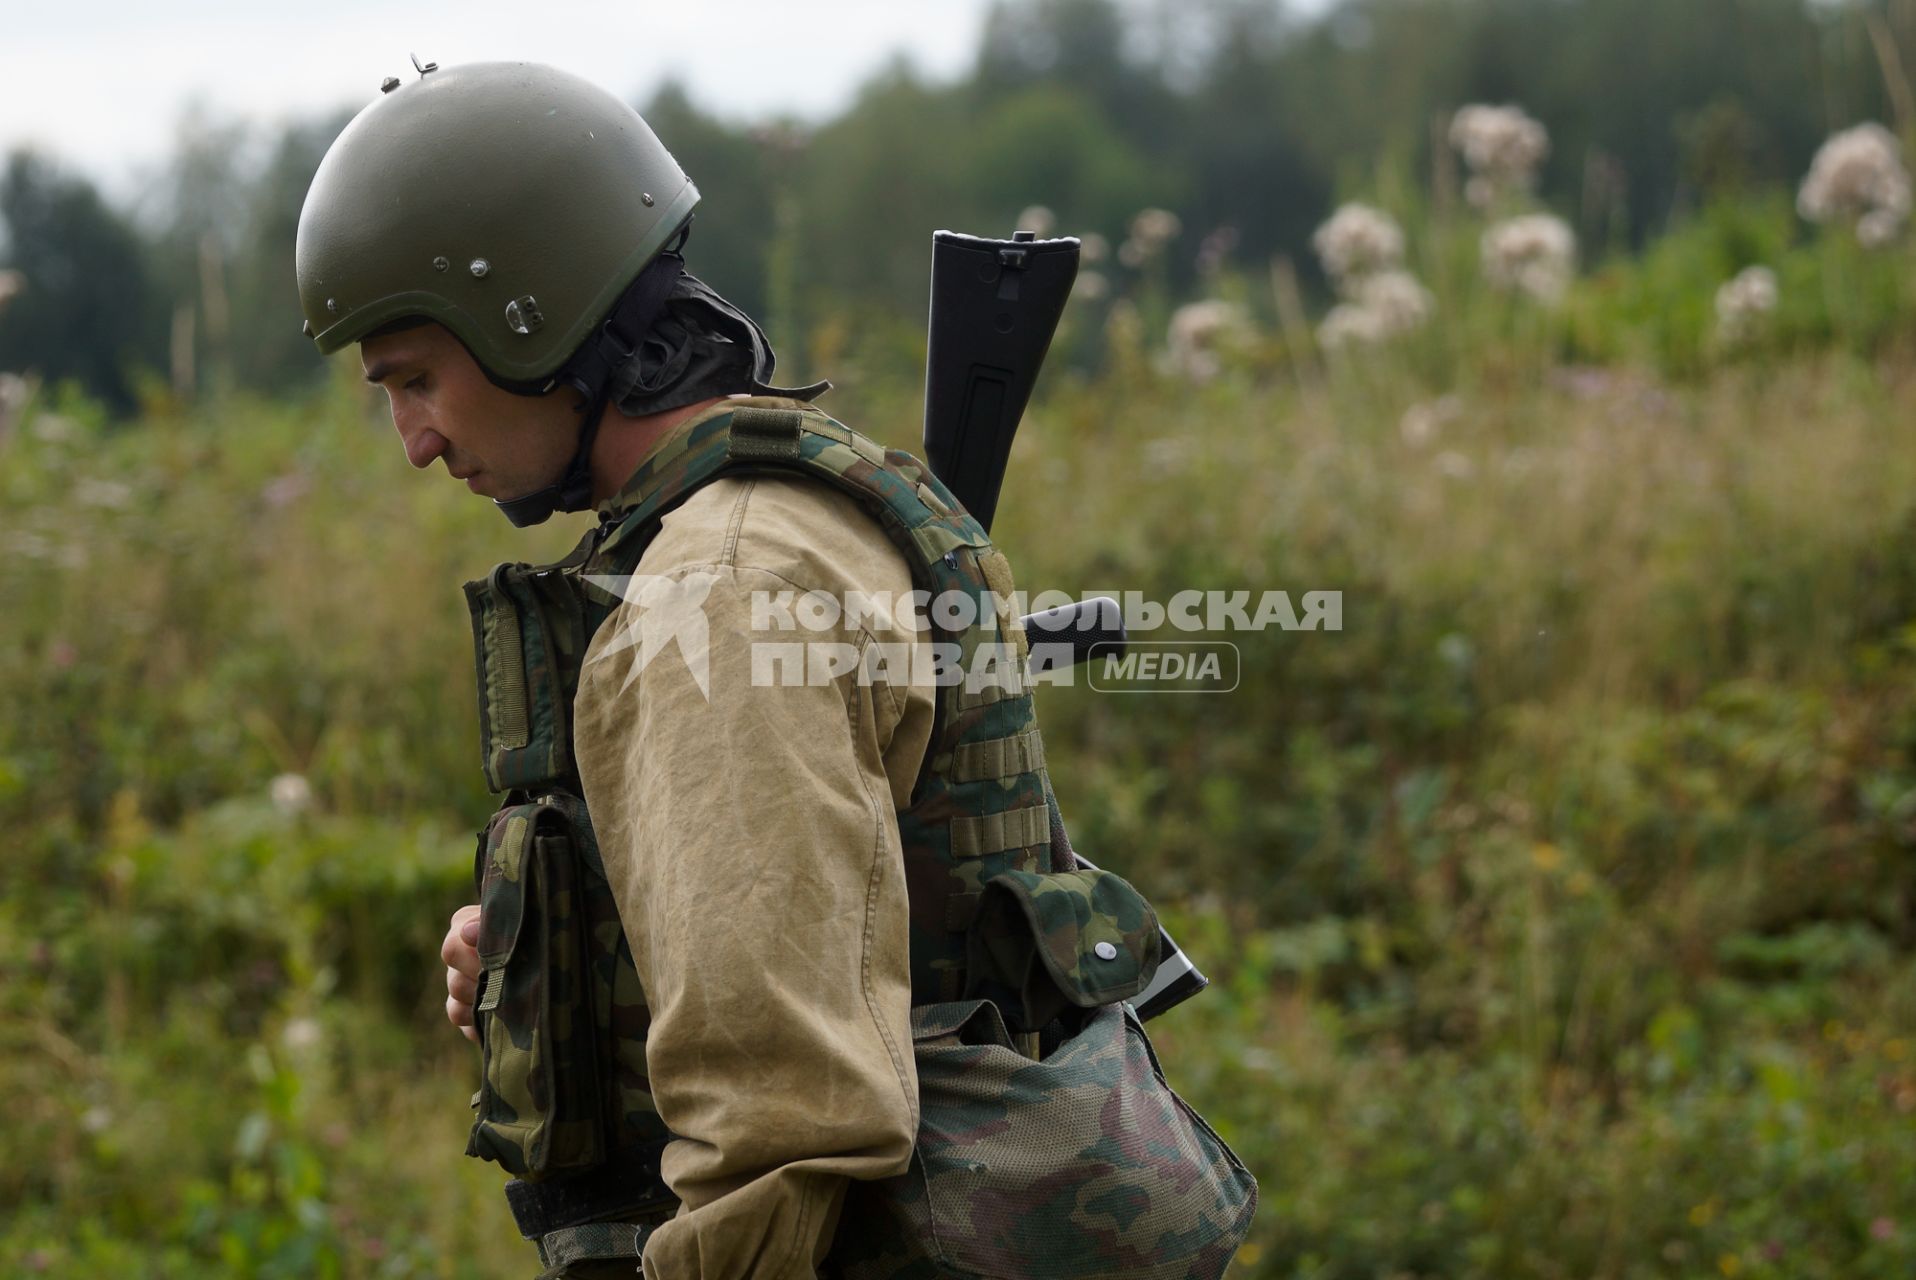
994	306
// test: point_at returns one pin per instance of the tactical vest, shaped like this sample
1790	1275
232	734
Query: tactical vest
1104	1170
979	810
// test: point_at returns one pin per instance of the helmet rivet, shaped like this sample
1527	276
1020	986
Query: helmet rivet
332	305
645	198
440	263
479	268
389	84
523	315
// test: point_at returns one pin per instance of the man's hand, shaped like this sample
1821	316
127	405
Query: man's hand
460	951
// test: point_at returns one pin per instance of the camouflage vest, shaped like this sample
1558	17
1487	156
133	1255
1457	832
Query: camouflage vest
1011	945
979	809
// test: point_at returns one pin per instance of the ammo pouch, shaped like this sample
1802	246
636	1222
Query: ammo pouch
1046	947
1081	1164
539	1104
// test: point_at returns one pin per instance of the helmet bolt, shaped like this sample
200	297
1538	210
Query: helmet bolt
440	263
389	84
523	316
479	268
645	198
332	305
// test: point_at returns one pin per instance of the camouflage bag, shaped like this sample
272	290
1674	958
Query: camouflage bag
1081	1164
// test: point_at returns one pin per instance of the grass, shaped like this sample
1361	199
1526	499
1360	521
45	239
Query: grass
1558	906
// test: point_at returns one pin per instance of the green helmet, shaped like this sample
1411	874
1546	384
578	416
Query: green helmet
511	202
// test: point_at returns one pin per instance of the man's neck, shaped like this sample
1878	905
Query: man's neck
624	442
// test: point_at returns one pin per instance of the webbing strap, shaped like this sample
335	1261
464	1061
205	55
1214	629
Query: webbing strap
506	710
764	433
560	1249
976	836
997	758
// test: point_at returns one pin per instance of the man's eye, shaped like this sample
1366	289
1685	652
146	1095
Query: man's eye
415	382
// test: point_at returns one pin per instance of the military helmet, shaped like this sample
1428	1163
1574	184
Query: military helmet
511	202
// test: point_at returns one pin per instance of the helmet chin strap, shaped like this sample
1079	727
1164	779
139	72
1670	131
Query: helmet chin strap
589	372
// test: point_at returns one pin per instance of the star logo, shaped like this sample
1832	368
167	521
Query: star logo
664	611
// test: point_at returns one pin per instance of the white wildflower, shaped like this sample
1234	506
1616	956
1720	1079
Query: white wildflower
1151	231
1038	220
1503	148
1381	307
287	489
1453	465
11	283
1093	248
1878	229
1357	241
1090	286
96	1120
32	546
291	793
1535	255
1742	303
1398	300
15	391
301	1034
1858	177
1421	422
1168	456
109	495
1155	228
1199	330
1349	324
51	428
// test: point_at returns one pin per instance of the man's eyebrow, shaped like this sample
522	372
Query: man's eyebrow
381	370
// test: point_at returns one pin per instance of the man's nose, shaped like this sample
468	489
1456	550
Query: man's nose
423	444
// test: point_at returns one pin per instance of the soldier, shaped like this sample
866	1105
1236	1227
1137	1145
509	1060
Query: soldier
716	904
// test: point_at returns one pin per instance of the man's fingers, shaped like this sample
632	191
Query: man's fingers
463	988
459	950
458	1013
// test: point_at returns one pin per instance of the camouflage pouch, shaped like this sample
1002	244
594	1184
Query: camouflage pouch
1043	947
1084	1165
538	1106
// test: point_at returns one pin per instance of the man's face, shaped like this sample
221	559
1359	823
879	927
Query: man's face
500	444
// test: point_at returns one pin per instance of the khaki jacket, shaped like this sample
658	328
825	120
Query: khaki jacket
750	837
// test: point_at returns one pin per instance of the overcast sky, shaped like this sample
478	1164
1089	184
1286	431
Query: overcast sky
102	83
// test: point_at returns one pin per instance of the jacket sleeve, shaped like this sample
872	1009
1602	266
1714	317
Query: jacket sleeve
750	835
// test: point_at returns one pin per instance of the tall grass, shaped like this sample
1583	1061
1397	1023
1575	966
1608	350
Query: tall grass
1559	905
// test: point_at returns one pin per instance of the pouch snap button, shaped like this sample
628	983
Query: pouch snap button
1105	951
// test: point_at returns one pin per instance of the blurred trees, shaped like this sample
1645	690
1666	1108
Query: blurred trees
82	312
1237	114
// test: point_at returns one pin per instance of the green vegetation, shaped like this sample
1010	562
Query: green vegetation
1558	906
